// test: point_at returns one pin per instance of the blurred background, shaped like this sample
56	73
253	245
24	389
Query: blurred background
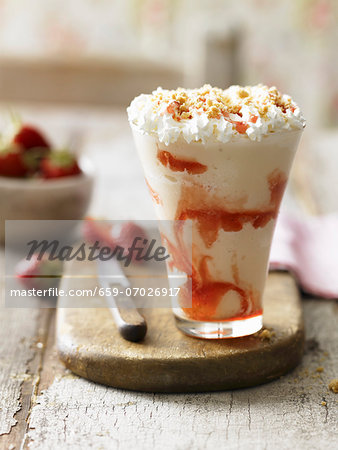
104	52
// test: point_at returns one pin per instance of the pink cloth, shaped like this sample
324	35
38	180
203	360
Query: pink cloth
309	249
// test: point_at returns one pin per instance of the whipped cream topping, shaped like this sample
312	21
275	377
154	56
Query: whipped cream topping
201	115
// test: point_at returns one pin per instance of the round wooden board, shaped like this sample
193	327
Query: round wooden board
168	361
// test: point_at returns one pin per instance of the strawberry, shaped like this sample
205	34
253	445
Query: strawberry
11	162
39	274
97	230
34	145
59	164
21	149
30	137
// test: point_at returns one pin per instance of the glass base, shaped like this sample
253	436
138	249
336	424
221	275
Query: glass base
218	330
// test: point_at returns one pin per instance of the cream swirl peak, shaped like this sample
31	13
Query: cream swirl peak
198	115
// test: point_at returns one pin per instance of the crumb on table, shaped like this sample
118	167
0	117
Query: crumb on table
333	385
266	335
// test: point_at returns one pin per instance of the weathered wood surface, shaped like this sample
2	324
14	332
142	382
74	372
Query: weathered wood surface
168	361
62	411
22	339
73	413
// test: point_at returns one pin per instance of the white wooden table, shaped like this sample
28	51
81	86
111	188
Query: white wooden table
43	406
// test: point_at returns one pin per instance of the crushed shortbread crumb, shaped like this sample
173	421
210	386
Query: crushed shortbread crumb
266	335
209	112
323	403
333	385
217	102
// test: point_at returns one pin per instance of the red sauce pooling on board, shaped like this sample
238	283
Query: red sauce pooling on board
180	165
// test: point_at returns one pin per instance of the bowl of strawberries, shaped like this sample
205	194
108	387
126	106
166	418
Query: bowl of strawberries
39	182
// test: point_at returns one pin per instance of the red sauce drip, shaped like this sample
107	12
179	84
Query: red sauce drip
178	252
180	165
235	272
153	193
206	293
277	184
210	221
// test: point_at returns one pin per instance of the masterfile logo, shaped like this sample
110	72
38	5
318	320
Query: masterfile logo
46	261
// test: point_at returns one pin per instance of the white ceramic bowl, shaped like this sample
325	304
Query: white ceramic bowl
66	198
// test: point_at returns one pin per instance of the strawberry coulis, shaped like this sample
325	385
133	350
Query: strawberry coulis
180	165
211	220
173	109
206	293
240	127
200	295
155	196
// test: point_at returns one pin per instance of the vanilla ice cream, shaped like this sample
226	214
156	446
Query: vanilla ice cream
219	159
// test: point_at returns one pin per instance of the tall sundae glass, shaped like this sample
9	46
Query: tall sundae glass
218	160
